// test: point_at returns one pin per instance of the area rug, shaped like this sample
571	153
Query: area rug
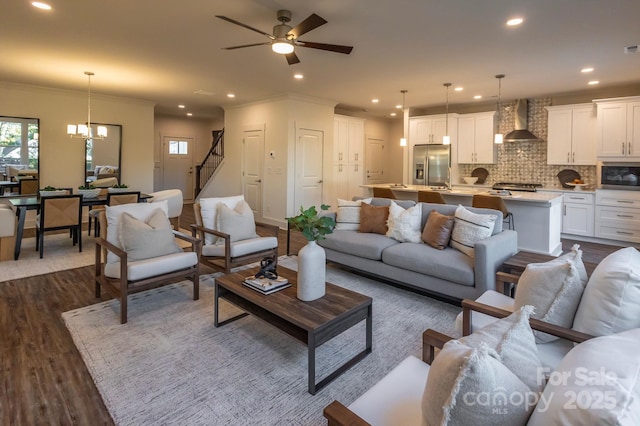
170	365
59	254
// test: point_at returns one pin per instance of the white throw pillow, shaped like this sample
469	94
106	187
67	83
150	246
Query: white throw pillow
404	225
140	211
238	223
596	383
348	214
512	338
470	386
611	301
147	239
470	227
554	289
575	255
209	213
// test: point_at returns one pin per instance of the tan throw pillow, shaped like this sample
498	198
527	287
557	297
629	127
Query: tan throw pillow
437	230
470	227
373	218
238	223
147	239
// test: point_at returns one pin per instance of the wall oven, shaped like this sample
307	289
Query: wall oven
618	176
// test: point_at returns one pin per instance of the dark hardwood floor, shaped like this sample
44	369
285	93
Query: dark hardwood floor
44	380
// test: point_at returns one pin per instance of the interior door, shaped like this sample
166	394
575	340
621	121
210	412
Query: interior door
309	168
253	158
177	165
374	166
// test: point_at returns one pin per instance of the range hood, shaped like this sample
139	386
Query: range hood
521	134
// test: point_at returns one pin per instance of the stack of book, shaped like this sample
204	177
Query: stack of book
266	285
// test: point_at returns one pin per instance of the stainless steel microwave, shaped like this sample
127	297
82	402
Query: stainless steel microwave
619	176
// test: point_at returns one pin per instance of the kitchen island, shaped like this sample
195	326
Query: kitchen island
537	215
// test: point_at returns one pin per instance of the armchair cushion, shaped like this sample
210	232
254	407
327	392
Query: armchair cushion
209	212
591	387
237	222
147	268
611	300
241	248
470	227
149	238
404	225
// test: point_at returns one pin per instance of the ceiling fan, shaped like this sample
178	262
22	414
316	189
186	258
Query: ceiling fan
285	38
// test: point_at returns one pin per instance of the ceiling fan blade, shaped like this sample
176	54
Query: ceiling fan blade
233	21
322	46
292	58
311	23
246	45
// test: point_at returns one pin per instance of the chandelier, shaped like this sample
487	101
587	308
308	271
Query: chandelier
84	131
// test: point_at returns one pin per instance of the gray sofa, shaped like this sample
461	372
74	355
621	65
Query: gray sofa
448	273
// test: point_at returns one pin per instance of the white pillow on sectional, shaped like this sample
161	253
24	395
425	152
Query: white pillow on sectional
348	214
404	225
470	227
611	301
209	212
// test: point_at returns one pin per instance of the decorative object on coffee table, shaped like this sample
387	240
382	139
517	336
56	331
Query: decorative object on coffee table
311	258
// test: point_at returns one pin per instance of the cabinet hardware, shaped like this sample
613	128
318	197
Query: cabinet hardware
625	201
627	216
577	198
356	155
629	148
622	148
567	158
258	181
574	158
565	210
624	233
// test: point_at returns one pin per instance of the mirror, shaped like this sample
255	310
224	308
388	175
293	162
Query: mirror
19	148
103	156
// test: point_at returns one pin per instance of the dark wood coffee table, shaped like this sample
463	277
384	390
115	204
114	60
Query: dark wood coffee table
313	323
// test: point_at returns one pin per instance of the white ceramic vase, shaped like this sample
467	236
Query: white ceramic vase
311	272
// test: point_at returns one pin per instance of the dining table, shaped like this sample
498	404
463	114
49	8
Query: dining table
32	202
8	184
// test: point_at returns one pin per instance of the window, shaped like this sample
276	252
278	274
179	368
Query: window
19	142
178	147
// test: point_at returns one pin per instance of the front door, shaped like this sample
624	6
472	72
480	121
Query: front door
309	172
253	158
177	165
373	160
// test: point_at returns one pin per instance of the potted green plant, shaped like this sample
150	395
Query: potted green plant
311	257
119	188
88	191
52	190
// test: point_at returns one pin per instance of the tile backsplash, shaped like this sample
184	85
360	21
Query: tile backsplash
526	161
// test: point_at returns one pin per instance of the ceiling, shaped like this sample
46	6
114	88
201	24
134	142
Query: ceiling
170	52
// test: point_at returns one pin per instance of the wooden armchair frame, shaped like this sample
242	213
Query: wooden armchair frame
122	287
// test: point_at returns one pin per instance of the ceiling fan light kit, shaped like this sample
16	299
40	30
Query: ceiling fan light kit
284	38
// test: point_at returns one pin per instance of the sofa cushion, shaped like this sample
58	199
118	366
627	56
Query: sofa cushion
611	300
448	264
597	383
404	225
405	204
373	218
437	230
470	227
348	214
366	245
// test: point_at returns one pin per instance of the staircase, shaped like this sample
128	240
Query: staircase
211	162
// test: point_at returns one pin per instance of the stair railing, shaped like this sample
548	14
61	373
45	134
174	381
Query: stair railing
211	161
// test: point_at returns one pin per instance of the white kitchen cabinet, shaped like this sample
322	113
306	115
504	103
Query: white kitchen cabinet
475	139
348	156
578	212
572	135
618	129
618	215
428	129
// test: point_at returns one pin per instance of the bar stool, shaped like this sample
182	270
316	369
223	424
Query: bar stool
430	197
384	193
496	203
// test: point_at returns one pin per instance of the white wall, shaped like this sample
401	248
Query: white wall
62	158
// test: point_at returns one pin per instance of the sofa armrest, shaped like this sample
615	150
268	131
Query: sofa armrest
545	327
490	254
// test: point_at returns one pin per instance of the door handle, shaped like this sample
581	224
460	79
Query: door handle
320	181
259	180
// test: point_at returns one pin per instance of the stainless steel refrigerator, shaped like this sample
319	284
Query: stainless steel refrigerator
431	165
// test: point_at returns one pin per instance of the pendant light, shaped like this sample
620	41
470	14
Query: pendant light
403	139
498	138
84	131
446	139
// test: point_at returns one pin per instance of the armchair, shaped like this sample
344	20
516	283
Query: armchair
138	252
227	227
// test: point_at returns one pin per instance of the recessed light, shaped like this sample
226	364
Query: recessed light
230	95
41	5
585	70
477	97
375	101
399	106
393	114
298	76
459	89
181	106
593	82
189	114
514	22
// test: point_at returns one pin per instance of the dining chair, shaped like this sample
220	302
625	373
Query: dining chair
430	197
494	202
113	199
384	193
59	212
28	186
